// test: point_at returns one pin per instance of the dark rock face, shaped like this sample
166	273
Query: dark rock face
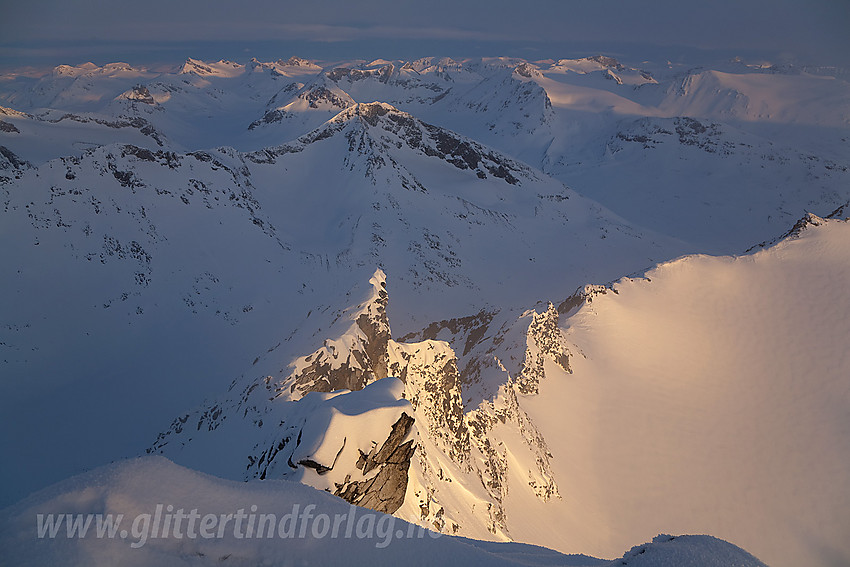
364	364
370	113
580	297
197	67
654	132
526	70
385	491
473	328
692	132
322	94
383	74
606	61
296	62
8	127
321	376
456	150
809	219
140	124
432	385
270	117
8	160
141	93
549	342
377	337
840	212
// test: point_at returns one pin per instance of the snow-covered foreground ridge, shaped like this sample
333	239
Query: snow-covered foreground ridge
709	396
163	514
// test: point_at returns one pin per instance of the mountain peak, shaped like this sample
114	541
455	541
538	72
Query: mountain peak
379	122
74	70
370	112
605	61
807	220
355	355
220	68
138	93
296	62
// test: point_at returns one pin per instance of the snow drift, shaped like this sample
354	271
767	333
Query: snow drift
136	489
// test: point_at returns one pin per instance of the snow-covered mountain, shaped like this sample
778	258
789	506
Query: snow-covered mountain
735	144
384	255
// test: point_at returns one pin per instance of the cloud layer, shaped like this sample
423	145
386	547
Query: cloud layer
811	29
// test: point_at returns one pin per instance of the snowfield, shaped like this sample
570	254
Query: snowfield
136	489
711	395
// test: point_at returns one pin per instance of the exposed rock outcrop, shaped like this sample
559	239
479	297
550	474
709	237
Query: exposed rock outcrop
139	93
549	343
8	127
385	490
8	160
356	358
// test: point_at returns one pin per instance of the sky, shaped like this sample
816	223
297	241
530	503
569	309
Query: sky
74	31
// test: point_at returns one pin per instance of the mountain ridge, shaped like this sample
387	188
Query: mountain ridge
535	351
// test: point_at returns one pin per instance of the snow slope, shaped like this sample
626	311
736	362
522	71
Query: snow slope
711	395
136	488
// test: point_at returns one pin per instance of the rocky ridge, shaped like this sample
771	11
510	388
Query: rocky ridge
372	127
414	462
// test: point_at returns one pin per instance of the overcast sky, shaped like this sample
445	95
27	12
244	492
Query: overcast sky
813	31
